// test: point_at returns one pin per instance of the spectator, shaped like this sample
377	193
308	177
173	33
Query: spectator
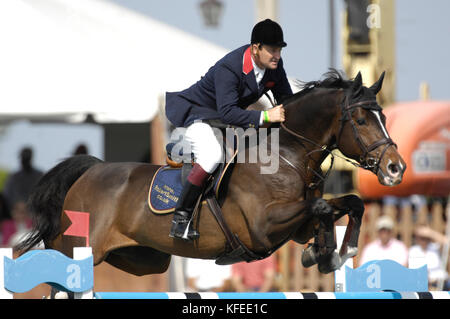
4	211
428	243
19	185
204	275
385	246
4	216
257	276
19	225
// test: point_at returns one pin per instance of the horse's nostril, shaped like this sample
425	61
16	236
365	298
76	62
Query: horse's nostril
393	169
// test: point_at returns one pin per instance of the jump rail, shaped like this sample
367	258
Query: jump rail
274	295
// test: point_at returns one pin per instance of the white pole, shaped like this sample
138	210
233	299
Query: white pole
80	253
4	252
178	273
339	274
266	9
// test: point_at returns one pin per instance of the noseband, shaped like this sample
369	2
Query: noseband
366	161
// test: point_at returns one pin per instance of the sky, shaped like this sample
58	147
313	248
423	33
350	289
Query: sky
422	33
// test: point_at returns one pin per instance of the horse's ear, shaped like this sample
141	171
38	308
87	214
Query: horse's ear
376	87
357	84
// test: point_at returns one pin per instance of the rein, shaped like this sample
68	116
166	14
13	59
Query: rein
311	185
319	149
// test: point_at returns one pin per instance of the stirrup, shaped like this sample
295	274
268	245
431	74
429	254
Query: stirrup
190	233
182	228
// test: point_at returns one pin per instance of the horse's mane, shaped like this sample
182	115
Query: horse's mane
333	79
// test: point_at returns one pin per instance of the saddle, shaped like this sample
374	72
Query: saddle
167	185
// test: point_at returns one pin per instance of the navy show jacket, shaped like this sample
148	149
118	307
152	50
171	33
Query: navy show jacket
225	92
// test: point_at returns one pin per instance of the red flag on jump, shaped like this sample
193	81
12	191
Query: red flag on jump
79	226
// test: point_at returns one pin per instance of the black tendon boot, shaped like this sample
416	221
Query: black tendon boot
183	213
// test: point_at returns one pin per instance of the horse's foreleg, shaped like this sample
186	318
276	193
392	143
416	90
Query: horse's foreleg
354	207
322	251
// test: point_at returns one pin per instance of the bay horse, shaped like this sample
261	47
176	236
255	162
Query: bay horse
263	210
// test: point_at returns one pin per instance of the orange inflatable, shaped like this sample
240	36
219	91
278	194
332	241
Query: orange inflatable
422	132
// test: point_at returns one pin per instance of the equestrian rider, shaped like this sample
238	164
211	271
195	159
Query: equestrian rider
236	81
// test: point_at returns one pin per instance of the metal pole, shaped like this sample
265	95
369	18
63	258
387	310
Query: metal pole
331	37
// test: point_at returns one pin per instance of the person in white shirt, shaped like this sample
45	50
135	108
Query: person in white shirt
385	246
427	245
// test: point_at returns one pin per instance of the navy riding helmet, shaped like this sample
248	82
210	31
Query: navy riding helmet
268	32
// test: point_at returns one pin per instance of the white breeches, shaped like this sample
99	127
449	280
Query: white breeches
204	145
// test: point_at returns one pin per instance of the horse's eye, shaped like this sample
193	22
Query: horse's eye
361	121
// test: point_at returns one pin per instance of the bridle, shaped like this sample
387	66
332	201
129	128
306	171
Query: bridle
366	161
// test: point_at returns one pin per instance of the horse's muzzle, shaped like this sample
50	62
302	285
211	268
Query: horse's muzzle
392	173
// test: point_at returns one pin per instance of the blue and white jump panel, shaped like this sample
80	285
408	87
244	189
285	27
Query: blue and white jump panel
274	295
47	266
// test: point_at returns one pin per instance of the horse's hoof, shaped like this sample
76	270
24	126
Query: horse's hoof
351	252
332	263
324	268
309	257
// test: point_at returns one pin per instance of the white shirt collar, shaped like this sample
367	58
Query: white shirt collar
259	73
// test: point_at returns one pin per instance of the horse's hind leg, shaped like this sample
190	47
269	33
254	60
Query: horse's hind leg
322	250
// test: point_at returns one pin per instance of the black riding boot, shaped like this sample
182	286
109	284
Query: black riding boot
183	213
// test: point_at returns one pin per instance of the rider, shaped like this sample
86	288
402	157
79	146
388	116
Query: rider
237	80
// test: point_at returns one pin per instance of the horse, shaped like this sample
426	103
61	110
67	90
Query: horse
263	210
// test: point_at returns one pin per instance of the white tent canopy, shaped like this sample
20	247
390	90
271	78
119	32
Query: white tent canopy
70	58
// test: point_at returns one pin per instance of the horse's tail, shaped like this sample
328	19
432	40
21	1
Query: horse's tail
46	201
